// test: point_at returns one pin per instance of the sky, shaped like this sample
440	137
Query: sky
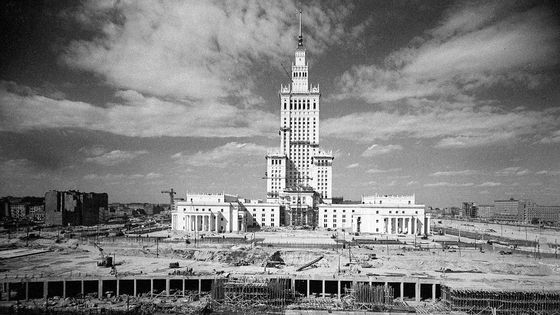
450	101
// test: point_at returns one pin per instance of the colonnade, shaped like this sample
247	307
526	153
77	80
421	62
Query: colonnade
204	222
401	225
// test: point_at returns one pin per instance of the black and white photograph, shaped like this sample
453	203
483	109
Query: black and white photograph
279	157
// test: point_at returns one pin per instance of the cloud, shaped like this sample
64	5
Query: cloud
485	126
446	184
435	88
548	172
554	137
490	184
197	50
412	182
118	177
115	157
512	171
377	171
354	165
475	46
135	116
456	173
378	149
228	155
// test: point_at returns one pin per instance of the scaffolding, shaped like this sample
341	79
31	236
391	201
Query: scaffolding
245	294
366	297
502	301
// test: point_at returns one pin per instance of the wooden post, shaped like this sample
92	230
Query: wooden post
308	291
433	292
323	294
402	291
64	289
151	287
45	289
134	288
99	288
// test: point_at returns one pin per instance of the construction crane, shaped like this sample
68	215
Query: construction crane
106	261
171	197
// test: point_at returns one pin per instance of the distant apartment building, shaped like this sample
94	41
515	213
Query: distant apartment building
22	208
470	210
509	210
74	207
485	211
542	213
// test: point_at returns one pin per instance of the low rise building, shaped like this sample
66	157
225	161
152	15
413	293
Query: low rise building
383	214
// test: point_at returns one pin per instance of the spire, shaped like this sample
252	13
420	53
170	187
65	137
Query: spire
300	37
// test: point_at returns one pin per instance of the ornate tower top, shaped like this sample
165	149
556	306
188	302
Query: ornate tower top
300	37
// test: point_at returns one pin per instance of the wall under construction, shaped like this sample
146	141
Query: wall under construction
502	302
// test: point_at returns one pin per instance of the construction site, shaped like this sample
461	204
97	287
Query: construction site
281	270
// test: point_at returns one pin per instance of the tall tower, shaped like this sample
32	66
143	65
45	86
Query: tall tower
299	164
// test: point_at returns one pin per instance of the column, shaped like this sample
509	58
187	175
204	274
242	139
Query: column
433	292
151	287
428	226
199	287
410	226
402	291
118	287
167	286
208	227
338	288
63	289
99	288
417	291
134	287
45	289
195	222
323	294
390	222
183	292
308	293
27	290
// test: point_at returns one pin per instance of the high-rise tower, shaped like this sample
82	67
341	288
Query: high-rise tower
299	163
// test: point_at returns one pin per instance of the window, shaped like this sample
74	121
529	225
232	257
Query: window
377	212
376	221
389	212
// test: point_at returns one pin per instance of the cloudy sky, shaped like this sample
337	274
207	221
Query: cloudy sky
452	101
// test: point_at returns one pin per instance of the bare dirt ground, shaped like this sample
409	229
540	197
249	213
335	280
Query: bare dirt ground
464	268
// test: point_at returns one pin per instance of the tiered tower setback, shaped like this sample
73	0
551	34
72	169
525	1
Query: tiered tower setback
299	164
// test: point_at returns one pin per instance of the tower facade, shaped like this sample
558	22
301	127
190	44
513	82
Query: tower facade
299	163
